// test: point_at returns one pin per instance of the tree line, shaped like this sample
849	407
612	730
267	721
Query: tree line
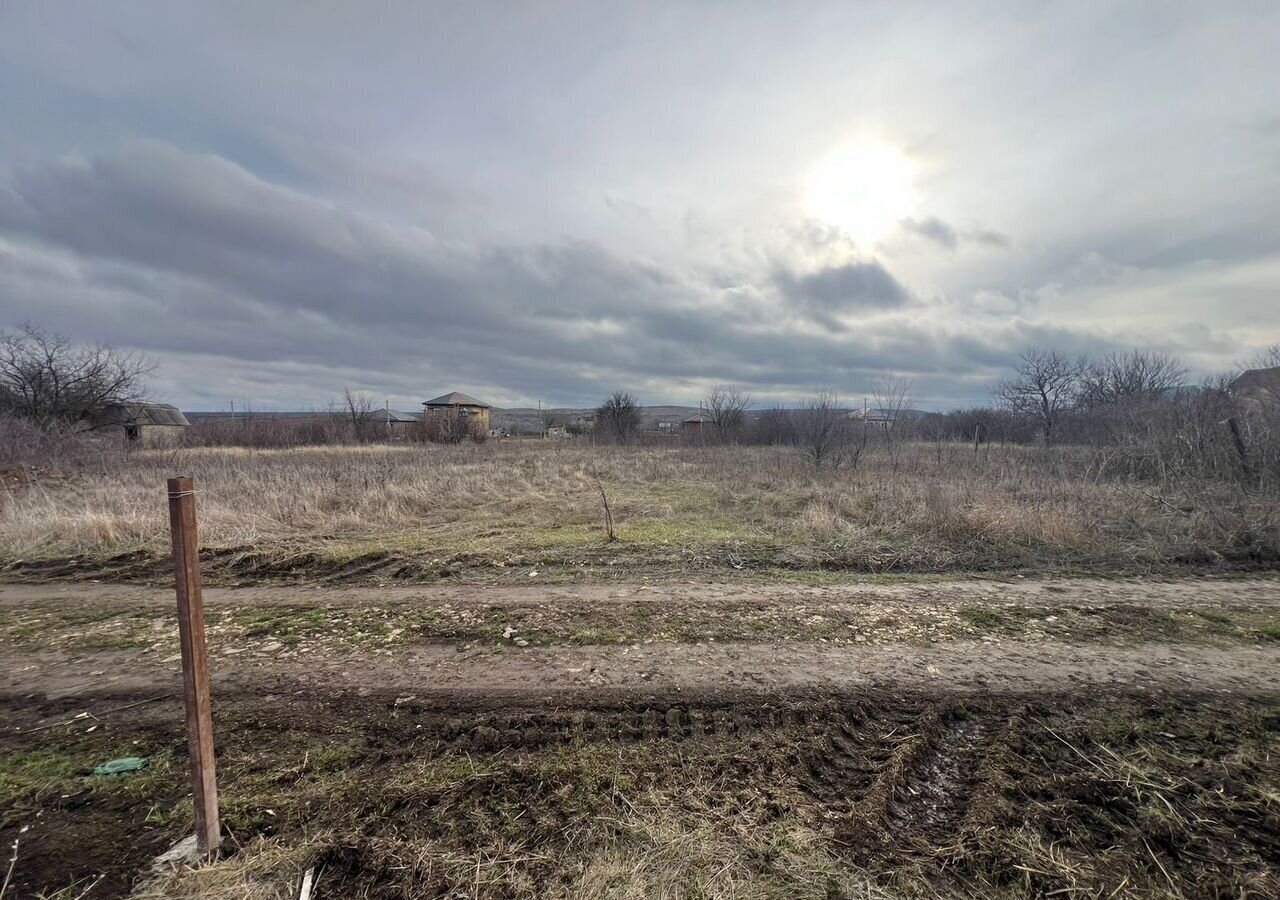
1136	406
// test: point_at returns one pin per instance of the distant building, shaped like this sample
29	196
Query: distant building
459	405
879	418
142	424
1258	387
400	424
694	424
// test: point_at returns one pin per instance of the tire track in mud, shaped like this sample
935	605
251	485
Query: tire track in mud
500	731
927	777
893	781
932	793
924	773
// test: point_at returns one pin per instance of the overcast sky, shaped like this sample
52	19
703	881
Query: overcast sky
549	201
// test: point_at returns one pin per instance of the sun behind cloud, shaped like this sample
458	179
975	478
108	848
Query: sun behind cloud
864	189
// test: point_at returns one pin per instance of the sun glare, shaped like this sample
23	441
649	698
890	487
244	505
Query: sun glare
863	189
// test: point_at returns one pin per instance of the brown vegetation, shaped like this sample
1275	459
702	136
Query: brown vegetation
52	383
427	511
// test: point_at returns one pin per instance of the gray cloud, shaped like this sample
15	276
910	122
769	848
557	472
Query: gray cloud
273	217
989	237
948	237
187	254
933	229
850	287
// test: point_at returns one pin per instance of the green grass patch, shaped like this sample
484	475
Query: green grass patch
981	617
1268	632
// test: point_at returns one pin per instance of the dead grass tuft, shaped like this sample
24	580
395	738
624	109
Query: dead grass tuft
265	869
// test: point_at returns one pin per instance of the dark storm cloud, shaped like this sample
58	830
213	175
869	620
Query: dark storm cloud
854	286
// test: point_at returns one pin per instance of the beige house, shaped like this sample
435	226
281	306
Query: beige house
141	424
459	405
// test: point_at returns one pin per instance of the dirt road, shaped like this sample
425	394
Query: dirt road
894	726
1020	636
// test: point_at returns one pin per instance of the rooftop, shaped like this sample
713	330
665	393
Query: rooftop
1256	380
457	398
141	414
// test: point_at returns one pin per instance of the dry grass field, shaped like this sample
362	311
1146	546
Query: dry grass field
504	510
435	676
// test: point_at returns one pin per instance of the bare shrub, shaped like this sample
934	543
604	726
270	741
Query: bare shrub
265	431
775	427
892	394
50	381
979	425
1190	440
1139	376
725	410
453	428
618	418
823	430
57	447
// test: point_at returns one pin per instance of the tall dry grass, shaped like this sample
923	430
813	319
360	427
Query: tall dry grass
932	507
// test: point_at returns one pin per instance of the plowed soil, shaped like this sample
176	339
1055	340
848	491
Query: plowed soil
917	739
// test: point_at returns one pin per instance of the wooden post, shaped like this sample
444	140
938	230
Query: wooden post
195	662
1241	450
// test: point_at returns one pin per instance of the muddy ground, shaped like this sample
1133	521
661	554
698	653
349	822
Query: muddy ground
910	738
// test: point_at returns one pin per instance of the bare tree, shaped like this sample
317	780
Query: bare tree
50	381
823	429
546	419
892	394
725	408
360	412
774	426
1044	389
1267	358
1136	376
618	417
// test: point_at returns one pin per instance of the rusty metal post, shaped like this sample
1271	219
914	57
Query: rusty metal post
195	662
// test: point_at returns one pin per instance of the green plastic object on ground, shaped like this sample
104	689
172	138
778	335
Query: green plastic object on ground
120	766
